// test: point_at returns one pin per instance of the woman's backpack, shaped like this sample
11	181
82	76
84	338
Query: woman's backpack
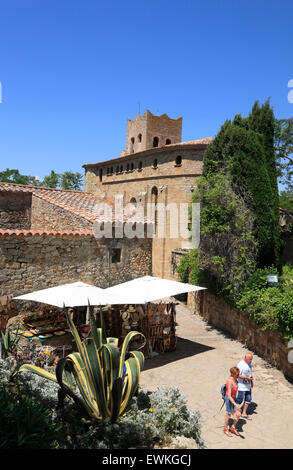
223	394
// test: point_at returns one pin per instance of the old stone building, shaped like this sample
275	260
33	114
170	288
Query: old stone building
49	236
47	239
157	168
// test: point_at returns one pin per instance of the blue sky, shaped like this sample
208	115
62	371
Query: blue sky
73	71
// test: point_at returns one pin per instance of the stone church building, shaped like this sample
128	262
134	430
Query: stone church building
156	167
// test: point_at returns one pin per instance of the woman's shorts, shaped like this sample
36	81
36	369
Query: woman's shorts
230	408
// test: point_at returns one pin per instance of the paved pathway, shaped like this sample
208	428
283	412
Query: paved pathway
201	364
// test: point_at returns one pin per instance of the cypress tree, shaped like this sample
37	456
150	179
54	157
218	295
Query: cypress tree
261	120
244	153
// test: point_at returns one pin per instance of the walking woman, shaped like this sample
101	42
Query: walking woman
231	405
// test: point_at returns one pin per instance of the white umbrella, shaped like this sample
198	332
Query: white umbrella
77	294
147	289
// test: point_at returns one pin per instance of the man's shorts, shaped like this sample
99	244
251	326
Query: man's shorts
243	395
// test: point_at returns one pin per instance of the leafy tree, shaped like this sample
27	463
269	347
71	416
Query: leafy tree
67	180
51	181
71	181
13	176
283	144
286	200
228	249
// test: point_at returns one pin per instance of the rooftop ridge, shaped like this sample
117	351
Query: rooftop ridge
45	232
42	187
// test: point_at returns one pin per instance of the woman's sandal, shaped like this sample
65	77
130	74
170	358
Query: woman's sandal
233	429
226	431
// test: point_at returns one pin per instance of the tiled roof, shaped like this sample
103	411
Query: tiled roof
44	232
205	140
77	202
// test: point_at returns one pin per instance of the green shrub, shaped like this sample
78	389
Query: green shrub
151	420
188	268
24	422
269	307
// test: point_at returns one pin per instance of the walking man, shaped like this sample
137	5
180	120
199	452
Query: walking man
245	383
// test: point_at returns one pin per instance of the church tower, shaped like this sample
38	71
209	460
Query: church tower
150	131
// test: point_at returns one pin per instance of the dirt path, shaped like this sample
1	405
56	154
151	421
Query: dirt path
201	364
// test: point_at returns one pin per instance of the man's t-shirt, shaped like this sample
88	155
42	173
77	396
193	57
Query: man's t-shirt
245	369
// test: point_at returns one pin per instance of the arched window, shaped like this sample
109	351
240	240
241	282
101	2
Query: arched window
154	201
127	167
168	141
121	168
131	166
117	170
101	174
178	160
108	171
155	163
156	142
133	201
111	170
139	137
132	144
140	165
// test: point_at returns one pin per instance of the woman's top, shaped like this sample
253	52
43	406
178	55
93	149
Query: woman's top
234	390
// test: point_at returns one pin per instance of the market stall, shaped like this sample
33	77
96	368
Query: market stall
156	321
142	305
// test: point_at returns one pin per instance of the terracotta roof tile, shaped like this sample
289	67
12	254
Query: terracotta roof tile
205	140
77	202
44	232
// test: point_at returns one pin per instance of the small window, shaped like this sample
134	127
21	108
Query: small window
131	166
132	144
178	160
139	137
121	168
111	170
108	171
168	142
101	175
140	166
117	169
116	255
127	167
155	163
133	201
156	142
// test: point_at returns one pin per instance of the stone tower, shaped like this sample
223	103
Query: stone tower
150	131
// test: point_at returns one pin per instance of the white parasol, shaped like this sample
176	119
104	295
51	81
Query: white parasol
147	289
77	294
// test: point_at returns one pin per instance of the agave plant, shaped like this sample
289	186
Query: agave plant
9	343
105	378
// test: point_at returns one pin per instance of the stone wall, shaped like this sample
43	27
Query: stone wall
176	257
15	210
36	261
47	216
270	345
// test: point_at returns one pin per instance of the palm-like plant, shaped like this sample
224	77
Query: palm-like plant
98	371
